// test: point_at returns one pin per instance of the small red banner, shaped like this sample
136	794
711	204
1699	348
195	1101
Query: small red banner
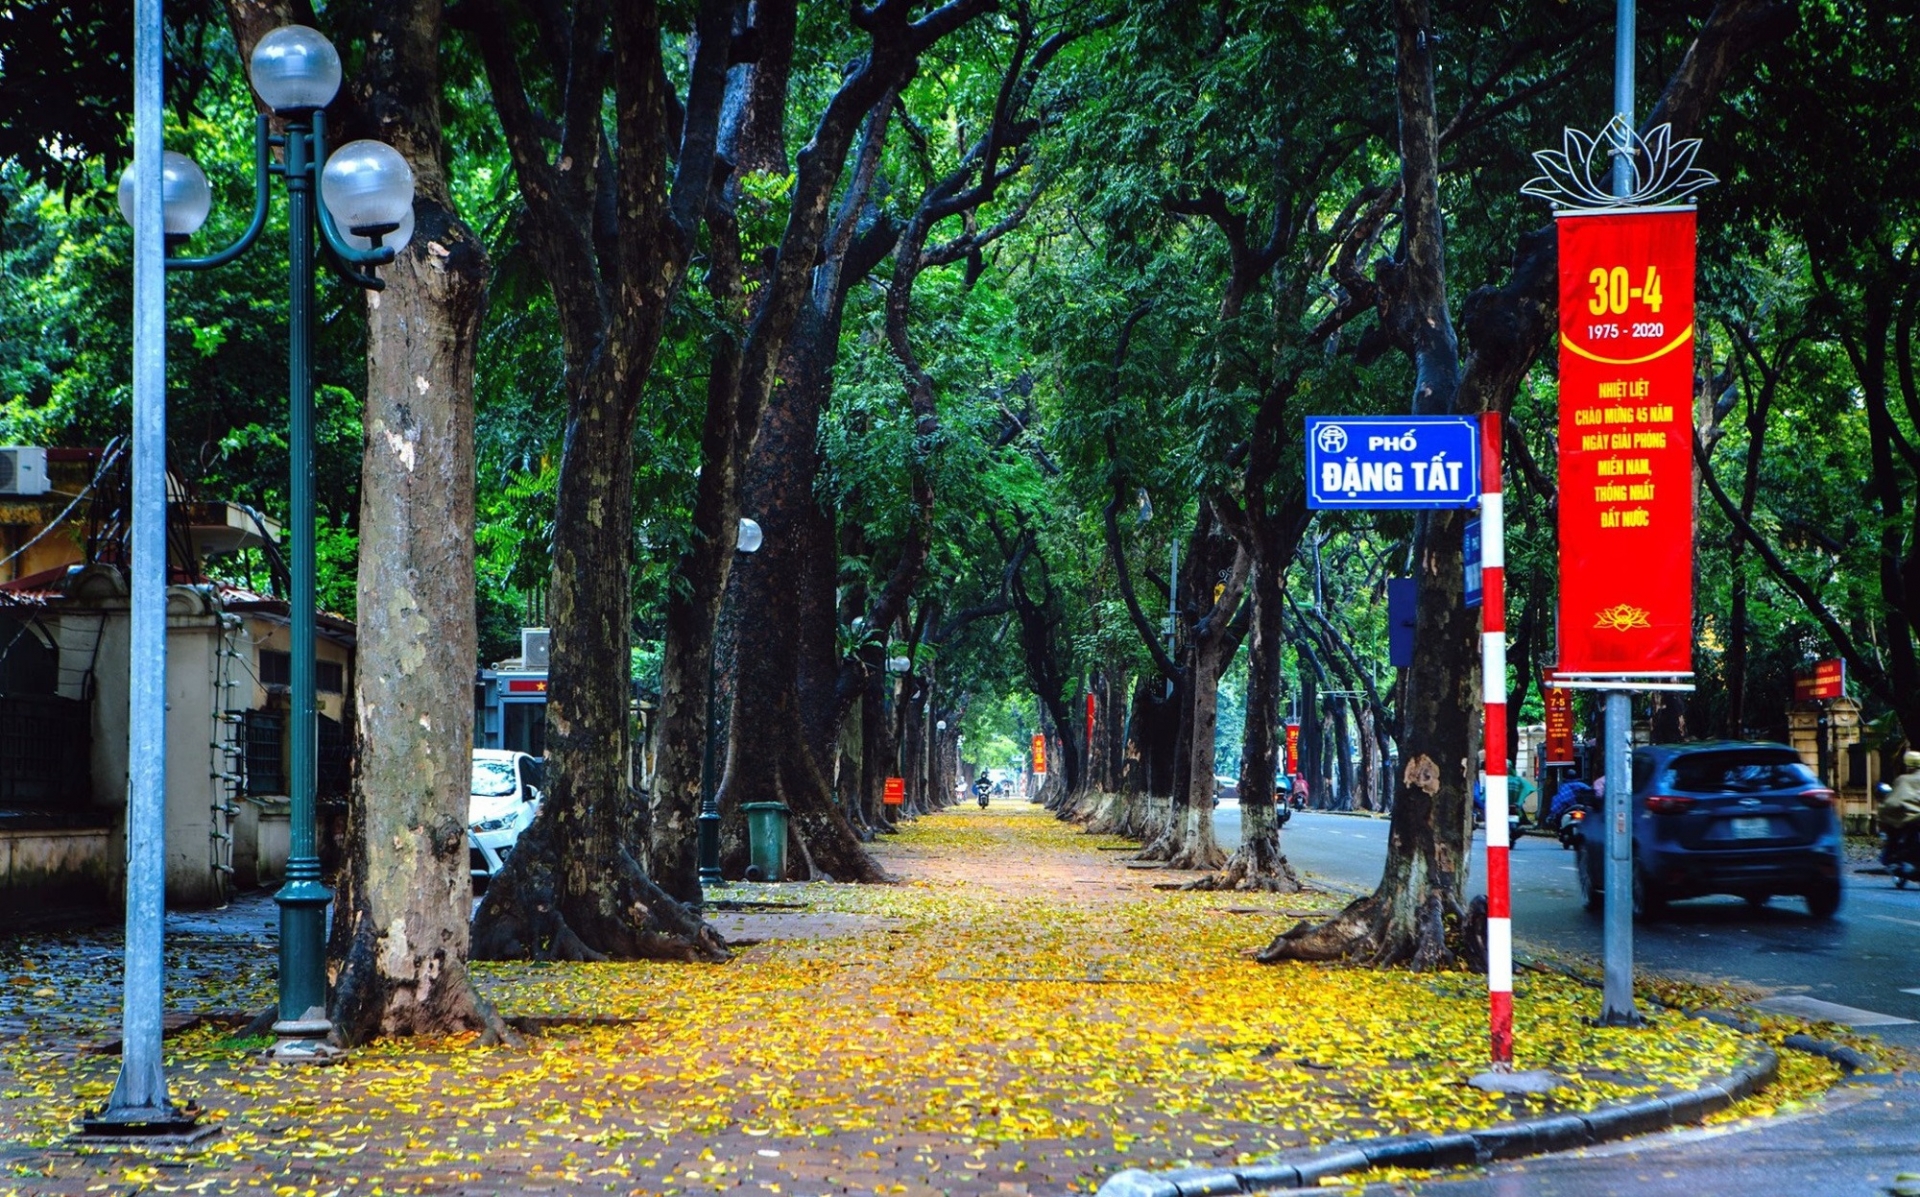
896	792
1293	749
1827	679
1626	442
1559	746
1039	754
527	686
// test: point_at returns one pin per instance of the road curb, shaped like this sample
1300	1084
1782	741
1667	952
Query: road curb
1556	1132
1849	1061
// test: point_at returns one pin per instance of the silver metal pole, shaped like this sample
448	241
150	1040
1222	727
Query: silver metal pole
1623	37
139	1097
1616	1006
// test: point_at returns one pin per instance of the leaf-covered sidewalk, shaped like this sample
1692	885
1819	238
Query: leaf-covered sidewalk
1023	1014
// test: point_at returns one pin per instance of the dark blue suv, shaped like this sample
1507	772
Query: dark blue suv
1723	818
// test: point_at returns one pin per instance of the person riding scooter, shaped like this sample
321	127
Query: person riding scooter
1571	803
983	789
1899	817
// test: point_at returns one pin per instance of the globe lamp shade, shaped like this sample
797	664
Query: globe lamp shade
396	241
295	68
185	197
367	184
750	537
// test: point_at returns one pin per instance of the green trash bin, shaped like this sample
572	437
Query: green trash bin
767	840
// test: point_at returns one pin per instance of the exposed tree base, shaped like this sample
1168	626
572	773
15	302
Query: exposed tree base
823	844
1186	842
526	916
368	1004
1115	814
1162	839
1258	867
1432	934
1198	858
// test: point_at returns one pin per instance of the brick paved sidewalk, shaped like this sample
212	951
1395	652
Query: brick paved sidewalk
1024	1014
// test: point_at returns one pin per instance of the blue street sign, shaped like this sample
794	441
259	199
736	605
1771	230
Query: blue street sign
1392	462
1470	559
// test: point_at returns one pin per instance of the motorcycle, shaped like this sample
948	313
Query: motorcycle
1567	814
1901	852
983	790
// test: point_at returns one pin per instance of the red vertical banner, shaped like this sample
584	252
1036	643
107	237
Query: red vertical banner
1559	704
1039	754
895	793
1626	442
1089	731
1293	749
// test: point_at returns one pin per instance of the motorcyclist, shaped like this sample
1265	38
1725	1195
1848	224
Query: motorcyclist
982	788
1899	813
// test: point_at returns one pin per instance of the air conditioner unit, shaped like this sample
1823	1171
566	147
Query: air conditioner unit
23	471
533	647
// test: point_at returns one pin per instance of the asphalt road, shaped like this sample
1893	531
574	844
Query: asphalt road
1856	1143
1860	968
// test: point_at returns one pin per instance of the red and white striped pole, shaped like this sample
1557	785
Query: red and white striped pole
1493	685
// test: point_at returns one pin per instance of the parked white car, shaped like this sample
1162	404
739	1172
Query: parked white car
506	797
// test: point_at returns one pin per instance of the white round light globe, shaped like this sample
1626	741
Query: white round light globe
750	536
396	241
185	198
295	68
366	183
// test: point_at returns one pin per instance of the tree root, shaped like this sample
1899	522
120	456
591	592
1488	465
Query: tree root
1107	816
441	998
1194	858
1434	934
526	916
1245	871
1163	844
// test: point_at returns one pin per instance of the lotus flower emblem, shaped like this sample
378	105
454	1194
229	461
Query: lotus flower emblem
1622	618
1580	173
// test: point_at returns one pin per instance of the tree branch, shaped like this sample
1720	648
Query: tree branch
1865	668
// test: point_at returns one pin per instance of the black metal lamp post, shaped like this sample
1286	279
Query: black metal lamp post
709	844
366	188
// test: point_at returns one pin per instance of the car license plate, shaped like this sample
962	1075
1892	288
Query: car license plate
1752	829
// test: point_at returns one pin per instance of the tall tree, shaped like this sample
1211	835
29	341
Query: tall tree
611	218
400	931
1422	888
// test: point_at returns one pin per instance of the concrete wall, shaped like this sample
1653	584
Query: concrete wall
44	874
206	651
216	841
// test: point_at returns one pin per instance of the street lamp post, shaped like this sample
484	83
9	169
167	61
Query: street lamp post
709	844
366	189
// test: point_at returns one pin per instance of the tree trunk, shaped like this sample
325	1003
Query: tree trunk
1310	737
575	888
1370	761
1190	843
1259	863
769	757
1419	905
1343	757
399	934
685	721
